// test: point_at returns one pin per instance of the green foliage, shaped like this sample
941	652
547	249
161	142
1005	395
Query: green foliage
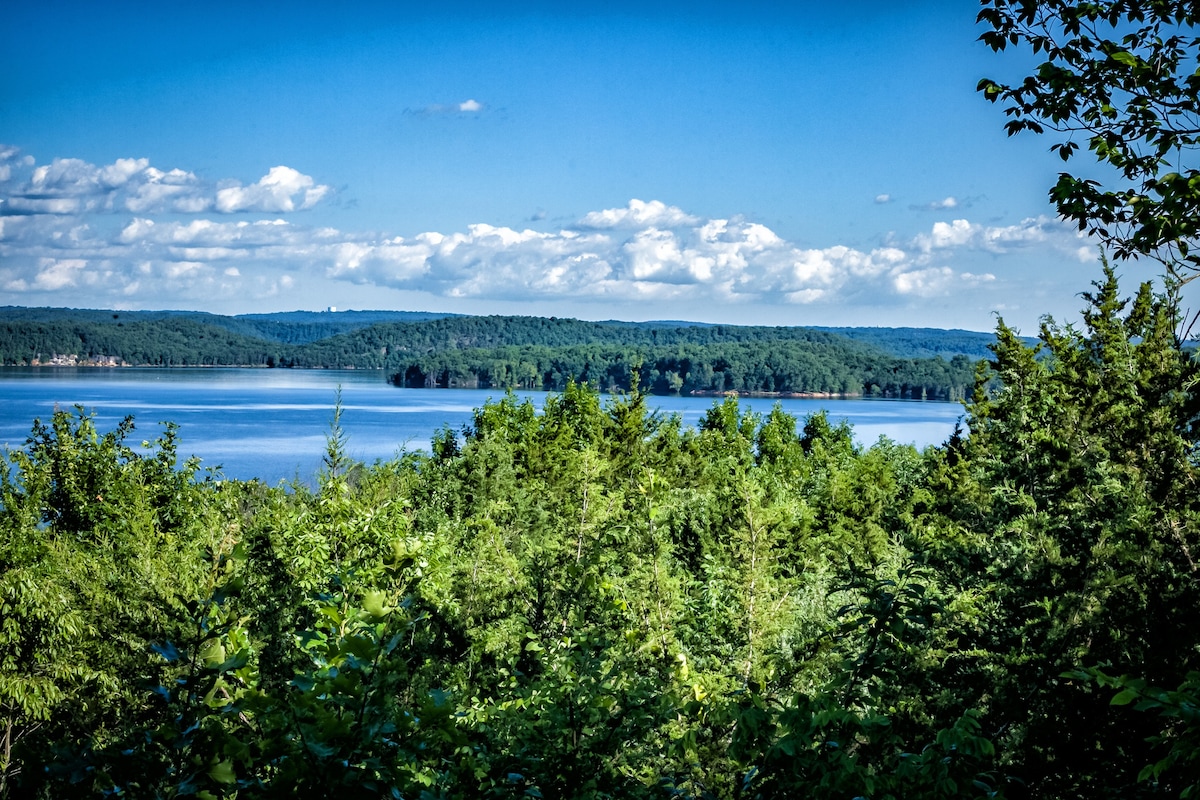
594	601
347	722
100	547
1073	512
336	460
1121	75
778	363
1179	710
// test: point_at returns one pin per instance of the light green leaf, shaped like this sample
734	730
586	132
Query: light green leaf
222	772
373	602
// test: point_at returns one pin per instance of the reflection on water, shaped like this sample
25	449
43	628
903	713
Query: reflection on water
271	424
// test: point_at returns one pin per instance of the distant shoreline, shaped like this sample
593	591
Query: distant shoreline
102	362
694	393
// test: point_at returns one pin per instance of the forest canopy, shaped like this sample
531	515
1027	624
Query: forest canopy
596	601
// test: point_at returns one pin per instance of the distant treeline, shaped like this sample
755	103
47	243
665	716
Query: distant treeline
416	350
288	327
765	367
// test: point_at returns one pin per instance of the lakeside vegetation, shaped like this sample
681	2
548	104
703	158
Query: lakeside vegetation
515	352
594	601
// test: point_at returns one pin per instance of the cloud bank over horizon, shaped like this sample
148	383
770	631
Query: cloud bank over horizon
129	232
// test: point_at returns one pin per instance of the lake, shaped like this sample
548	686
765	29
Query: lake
271	423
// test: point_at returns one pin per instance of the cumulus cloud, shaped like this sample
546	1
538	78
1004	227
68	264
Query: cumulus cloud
71	186
174	190
57	273
641	251
1040	231
607	256
956	233
44	255
278	190
881	199
933	281
638	214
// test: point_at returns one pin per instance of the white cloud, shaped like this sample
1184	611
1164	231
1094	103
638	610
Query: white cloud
470	105
1042	231
638	214
933	281
11	162
281	189
945	204
956	233
73	186
643	251
174	190
724	259
74	177
44	205
8	154
120	171
923	281
58	273
883	198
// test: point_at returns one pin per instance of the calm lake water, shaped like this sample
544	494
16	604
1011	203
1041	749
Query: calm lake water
271	423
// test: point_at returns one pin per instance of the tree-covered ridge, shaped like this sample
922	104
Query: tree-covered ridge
301	327
288	327
461	333
499	351
919	343
594	601
170	341
744	367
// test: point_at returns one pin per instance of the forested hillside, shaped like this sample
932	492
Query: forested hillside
288	327
596	602
502	352
918	343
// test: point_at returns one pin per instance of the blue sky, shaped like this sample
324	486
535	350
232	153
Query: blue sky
826	164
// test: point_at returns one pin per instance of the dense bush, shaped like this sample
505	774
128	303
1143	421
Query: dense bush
594	601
